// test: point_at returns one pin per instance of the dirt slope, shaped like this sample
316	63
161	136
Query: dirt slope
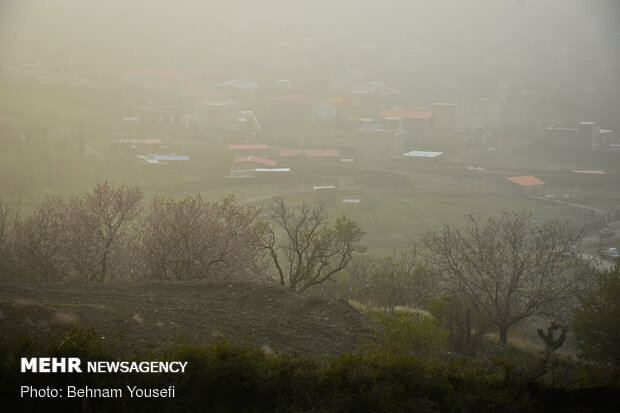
156	315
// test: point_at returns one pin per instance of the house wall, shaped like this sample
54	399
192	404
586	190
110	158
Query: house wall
283	111
324	111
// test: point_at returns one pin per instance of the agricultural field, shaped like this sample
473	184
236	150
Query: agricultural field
395	221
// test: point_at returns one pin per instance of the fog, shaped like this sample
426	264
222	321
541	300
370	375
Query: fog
102	29
418	180
521	73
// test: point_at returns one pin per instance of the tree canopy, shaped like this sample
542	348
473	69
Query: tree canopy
307	250
510	268
596	321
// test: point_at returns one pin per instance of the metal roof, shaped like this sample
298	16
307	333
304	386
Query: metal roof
160	157
272	170
590	172
254	159
342	102
528	180
423	154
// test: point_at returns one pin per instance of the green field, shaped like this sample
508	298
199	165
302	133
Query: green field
394	221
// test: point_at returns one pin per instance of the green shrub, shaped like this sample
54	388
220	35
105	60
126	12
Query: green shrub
596	322
411	333
228	378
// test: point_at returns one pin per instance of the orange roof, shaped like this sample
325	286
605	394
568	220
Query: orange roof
342	102
528	180
248	147
299	99
405	114
255	159
322	153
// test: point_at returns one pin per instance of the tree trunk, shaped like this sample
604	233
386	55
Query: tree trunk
468	328
503	334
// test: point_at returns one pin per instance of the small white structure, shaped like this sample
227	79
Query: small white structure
424	159
423	154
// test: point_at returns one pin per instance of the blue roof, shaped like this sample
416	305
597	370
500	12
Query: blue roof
161	157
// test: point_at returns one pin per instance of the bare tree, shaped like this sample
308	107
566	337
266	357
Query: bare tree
401	279
40	242
99	224
308	250
510	268
193	239
6	241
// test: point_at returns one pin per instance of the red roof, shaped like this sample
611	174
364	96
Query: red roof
254	147
528	180
212	94
590	172
323	153
405	114
299	99
342	102
255	159
171	74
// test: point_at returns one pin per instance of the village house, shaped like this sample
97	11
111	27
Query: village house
415	124
381	140
223	117
586	136
310	159
168	81
337	108
422	160
296	109
248	166
45	69
515	186
242	90
150	114
373	94
244	162
246	149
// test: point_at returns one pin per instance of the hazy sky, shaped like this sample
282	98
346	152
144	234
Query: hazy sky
83	26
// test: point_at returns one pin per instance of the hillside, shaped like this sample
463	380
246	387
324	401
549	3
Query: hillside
157	315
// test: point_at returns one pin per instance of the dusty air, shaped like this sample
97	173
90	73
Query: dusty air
310	205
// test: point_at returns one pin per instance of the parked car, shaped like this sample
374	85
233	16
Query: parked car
606	233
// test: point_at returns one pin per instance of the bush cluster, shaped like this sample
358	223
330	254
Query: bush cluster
228	378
